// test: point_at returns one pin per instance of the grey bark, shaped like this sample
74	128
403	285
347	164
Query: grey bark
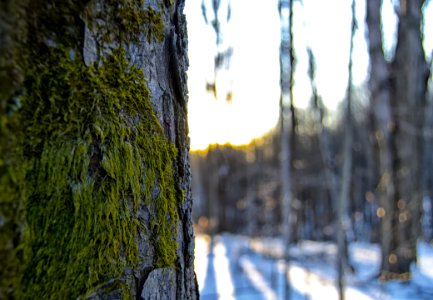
428	166
286	82
344	197
325	149
164	64
409	73
213	192
397	103
154	290
381	111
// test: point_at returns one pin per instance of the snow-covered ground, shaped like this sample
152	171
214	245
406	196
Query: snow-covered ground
235	267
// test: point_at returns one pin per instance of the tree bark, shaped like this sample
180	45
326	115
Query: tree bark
326	153
286	83
383	120
397	102
94	169
409	75
344	196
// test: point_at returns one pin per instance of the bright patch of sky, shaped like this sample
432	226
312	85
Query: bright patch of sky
254	75
324	26
254	34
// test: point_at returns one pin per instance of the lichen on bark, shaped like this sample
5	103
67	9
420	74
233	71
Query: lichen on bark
95	151
81	150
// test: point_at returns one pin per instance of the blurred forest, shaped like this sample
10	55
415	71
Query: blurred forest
361	173
238	189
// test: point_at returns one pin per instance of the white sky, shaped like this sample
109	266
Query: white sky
254	33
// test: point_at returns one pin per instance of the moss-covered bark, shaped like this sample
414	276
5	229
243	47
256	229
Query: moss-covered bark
82	153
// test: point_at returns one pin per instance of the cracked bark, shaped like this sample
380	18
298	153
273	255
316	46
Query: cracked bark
164	64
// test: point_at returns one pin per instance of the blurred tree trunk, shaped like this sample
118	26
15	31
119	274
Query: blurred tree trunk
397	102
428	168
286	83
200	207
344	197
213	193
326	153
285	155
409	74
295	213
95	198
251	191
383	132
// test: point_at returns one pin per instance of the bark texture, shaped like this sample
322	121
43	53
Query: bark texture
94	171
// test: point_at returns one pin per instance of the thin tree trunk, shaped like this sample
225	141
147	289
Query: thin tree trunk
428	165
295	213
214	205
324	141
343	217
286	82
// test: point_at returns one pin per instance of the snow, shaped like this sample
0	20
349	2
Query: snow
257	279
425	253
237	267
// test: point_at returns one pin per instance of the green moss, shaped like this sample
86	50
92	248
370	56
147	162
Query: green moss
87	151
168	3
12	191
12	168
130	21
154	28
97	152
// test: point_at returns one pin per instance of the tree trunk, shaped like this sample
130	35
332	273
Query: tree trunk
213	196
428	174
397	102
344	196
94	170
295	214
286	83
409	74
381	111
326	153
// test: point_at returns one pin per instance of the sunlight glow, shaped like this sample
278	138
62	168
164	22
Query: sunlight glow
255	72
254	33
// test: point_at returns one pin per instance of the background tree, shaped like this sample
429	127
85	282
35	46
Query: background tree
398	97
287	128
219	19
94	171
343	220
